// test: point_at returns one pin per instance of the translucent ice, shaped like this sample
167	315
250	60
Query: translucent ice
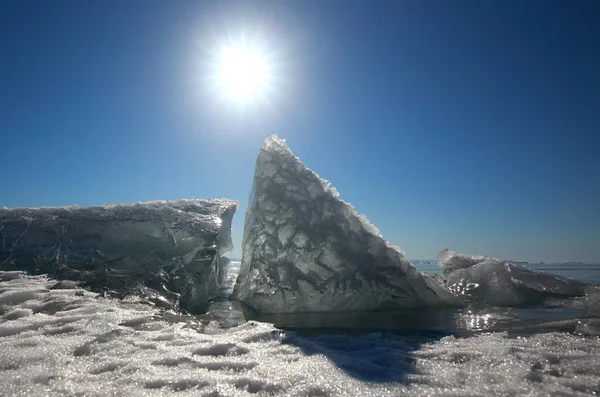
502	283
305	250
170	251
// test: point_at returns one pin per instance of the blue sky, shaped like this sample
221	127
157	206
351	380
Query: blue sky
465	124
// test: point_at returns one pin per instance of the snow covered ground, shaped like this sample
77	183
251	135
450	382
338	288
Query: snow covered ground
56	339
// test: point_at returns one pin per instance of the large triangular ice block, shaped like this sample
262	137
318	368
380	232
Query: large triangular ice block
306	250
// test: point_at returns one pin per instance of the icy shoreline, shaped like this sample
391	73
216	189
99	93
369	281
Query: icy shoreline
69	342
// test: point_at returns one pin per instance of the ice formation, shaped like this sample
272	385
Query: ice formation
168	251
503	283
305	250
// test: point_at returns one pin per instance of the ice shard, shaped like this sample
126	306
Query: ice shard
306	250
503	283
169	251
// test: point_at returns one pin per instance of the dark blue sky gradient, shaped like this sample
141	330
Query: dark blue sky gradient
465	124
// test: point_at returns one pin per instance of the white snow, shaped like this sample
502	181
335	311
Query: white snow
57	342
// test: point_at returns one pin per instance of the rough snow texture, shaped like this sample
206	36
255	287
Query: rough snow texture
169	251
305	250
490	280
68	342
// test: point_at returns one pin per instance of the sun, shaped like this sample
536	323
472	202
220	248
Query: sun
243	73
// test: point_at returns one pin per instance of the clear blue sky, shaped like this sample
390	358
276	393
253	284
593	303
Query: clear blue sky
473	125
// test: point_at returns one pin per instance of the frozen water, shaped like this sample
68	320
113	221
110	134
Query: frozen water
169	251
56	342
498	282
306	250
450	260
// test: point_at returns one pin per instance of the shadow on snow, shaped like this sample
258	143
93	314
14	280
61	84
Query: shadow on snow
370	346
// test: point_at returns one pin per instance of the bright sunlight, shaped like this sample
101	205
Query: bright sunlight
243	73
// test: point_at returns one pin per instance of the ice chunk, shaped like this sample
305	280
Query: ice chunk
167	249
450	260
305	250
502	283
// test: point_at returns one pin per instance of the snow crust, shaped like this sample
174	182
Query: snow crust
56	342
169	251
503	283
306	250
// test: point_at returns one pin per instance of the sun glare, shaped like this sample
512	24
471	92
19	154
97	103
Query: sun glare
243	73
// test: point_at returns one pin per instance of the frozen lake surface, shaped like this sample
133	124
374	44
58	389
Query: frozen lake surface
57	339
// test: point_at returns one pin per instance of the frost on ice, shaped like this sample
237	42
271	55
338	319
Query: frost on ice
502	283
168	251
305	250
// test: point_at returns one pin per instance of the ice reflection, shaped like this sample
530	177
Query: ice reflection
462	288
228	282
226	313
472	321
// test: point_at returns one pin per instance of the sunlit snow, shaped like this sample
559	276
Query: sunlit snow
74	342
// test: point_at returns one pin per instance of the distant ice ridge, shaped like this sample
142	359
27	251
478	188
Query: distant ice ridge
168	251
306	250
503	283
